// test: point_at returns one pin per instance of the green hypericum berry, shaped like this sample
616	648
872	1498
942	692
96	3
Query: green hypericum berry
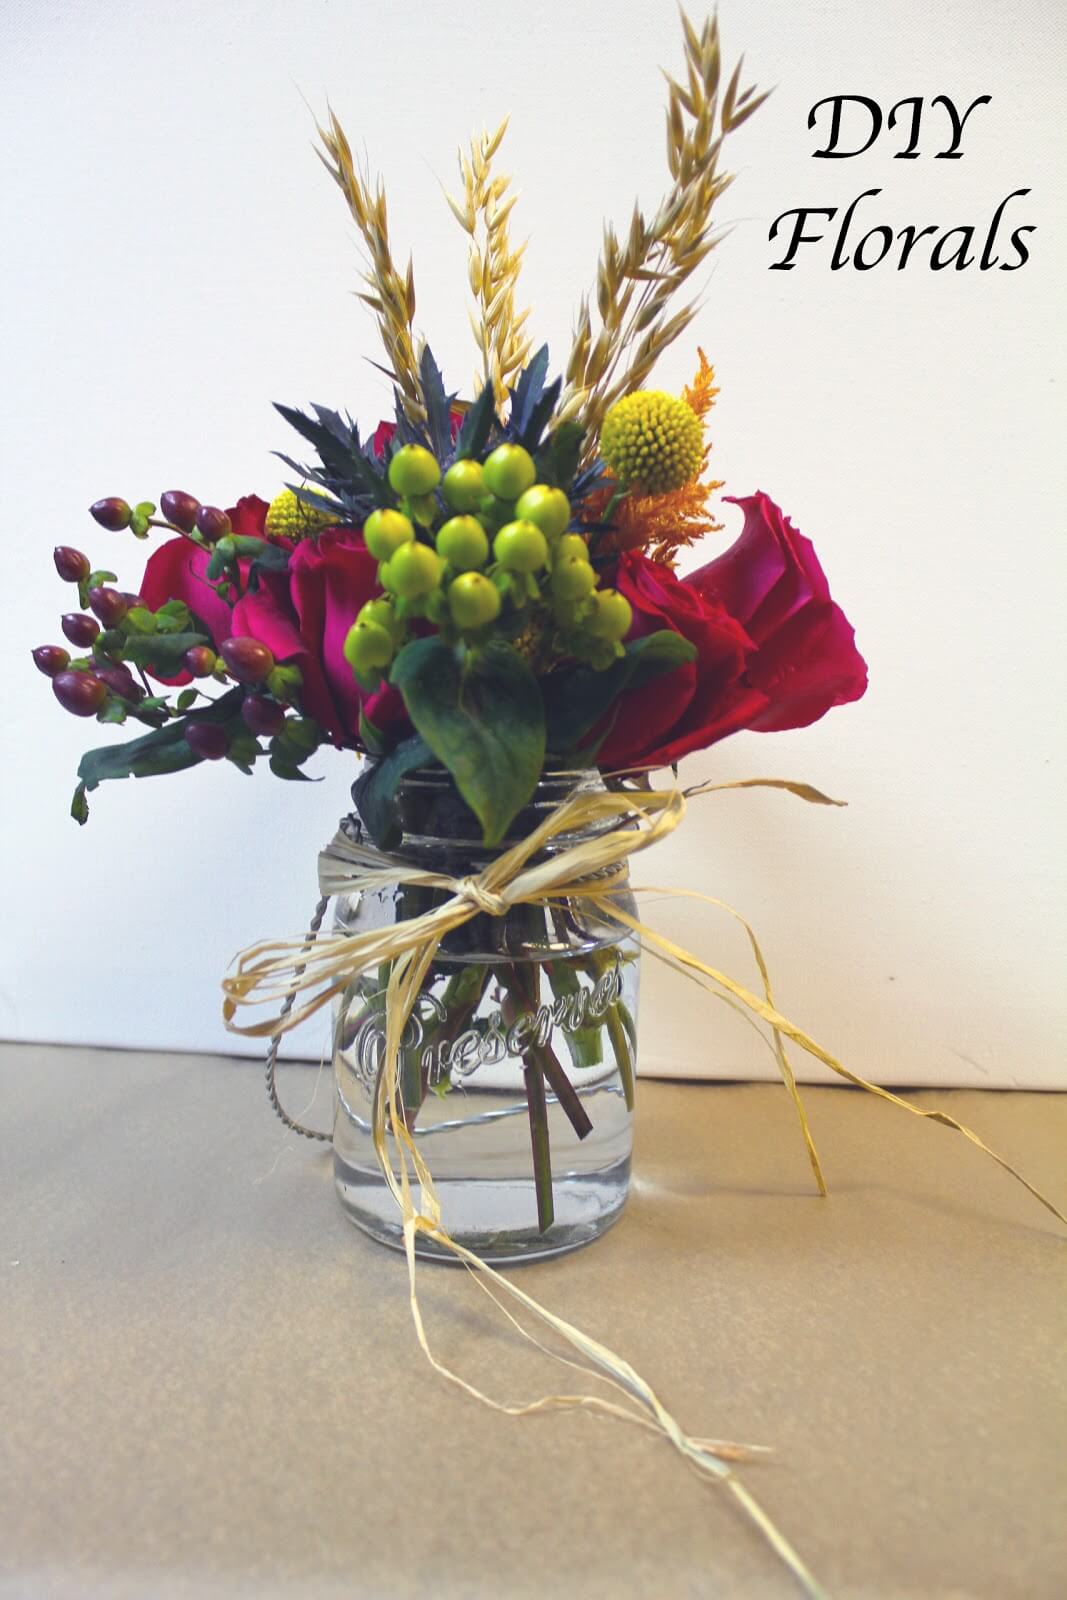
414	570
473	601
547	507
385	531
612	617
413	470
509	471
572	547
463	543
521	547
423	509
381	613
573	578
367	645
463	487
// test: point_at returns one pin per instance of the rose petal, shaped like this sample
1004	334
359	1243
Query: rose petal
267	615
810	665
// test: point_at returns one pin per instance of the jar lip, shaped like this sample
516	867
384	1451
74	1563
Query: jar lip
441	778
554	786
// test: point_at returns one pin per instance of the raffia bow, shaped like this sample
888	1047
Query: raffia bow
304	975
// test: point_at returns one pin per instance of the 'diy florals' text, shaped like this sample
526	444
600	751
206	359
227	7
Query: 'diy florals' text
847	235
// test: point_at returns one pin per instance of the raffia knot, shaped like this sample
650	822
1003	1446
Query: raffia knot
476	894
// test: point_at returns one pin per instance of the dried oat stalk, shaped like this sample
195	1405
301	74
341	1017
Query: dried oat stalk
639	279
389	294
492	265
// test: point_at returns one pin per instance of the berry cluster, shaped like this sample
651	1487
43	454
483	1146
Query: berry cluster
117	636
484	548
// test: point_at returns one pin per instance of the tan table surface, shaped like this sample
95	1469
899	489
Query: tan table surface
209	1383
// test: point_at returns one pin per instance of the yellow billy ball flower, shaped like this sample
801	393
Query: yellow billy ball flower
290	518
652	439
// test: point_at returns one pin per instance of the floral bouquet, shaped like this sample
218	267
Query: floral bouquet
479	600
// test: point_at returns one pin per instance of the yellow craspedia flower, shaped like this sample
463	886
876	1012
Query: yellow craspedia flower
652	439
290	518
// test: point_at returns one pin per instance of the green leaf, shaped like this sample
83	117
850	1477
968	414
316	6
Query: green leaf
557	462
163	750
372	736
186	699
113	710
282	769
483	719
271	558
577	698
374	791
79	806
477	426
175	609
163	651
244	748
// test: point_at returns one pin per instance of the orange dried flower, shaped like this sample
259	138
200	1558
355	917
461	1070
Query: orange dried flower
663	524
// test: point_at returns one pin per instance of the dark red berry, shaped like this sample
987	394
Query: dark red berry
131	600
247	660
207	740
213	523
108	604
111	513
79	629
180	508
121	681
71	565
262	716
50	659
81	693
200	661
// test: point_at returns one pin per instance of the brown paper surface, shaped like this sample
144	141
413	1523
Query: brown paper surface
210	1386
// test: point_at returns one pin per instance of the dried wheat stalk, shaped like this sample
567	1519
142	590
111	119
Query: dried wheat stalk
492	265
637	281
391	297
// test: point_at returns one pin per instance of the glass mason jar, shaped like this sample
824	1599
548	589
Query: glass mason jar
516	1071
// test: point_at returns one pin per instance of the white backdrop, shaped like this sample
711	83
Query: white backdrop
175	259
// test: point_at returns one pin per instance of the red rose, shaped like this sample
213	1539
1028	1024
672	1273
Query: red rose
330	578
249	517
178	571
774	651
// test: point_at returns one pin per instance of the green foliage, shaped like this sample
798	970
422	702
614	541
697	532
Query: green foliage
374	791
557	460
162	652
349	483
438	406
299	738
477	427
162	750
482	716
577	698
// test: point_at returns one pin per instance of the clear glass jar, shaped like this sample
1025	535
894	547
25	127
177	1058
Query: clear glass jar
524	1036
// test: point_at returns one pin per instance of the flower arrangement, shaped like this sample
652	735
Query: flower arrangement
486	587
488	584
